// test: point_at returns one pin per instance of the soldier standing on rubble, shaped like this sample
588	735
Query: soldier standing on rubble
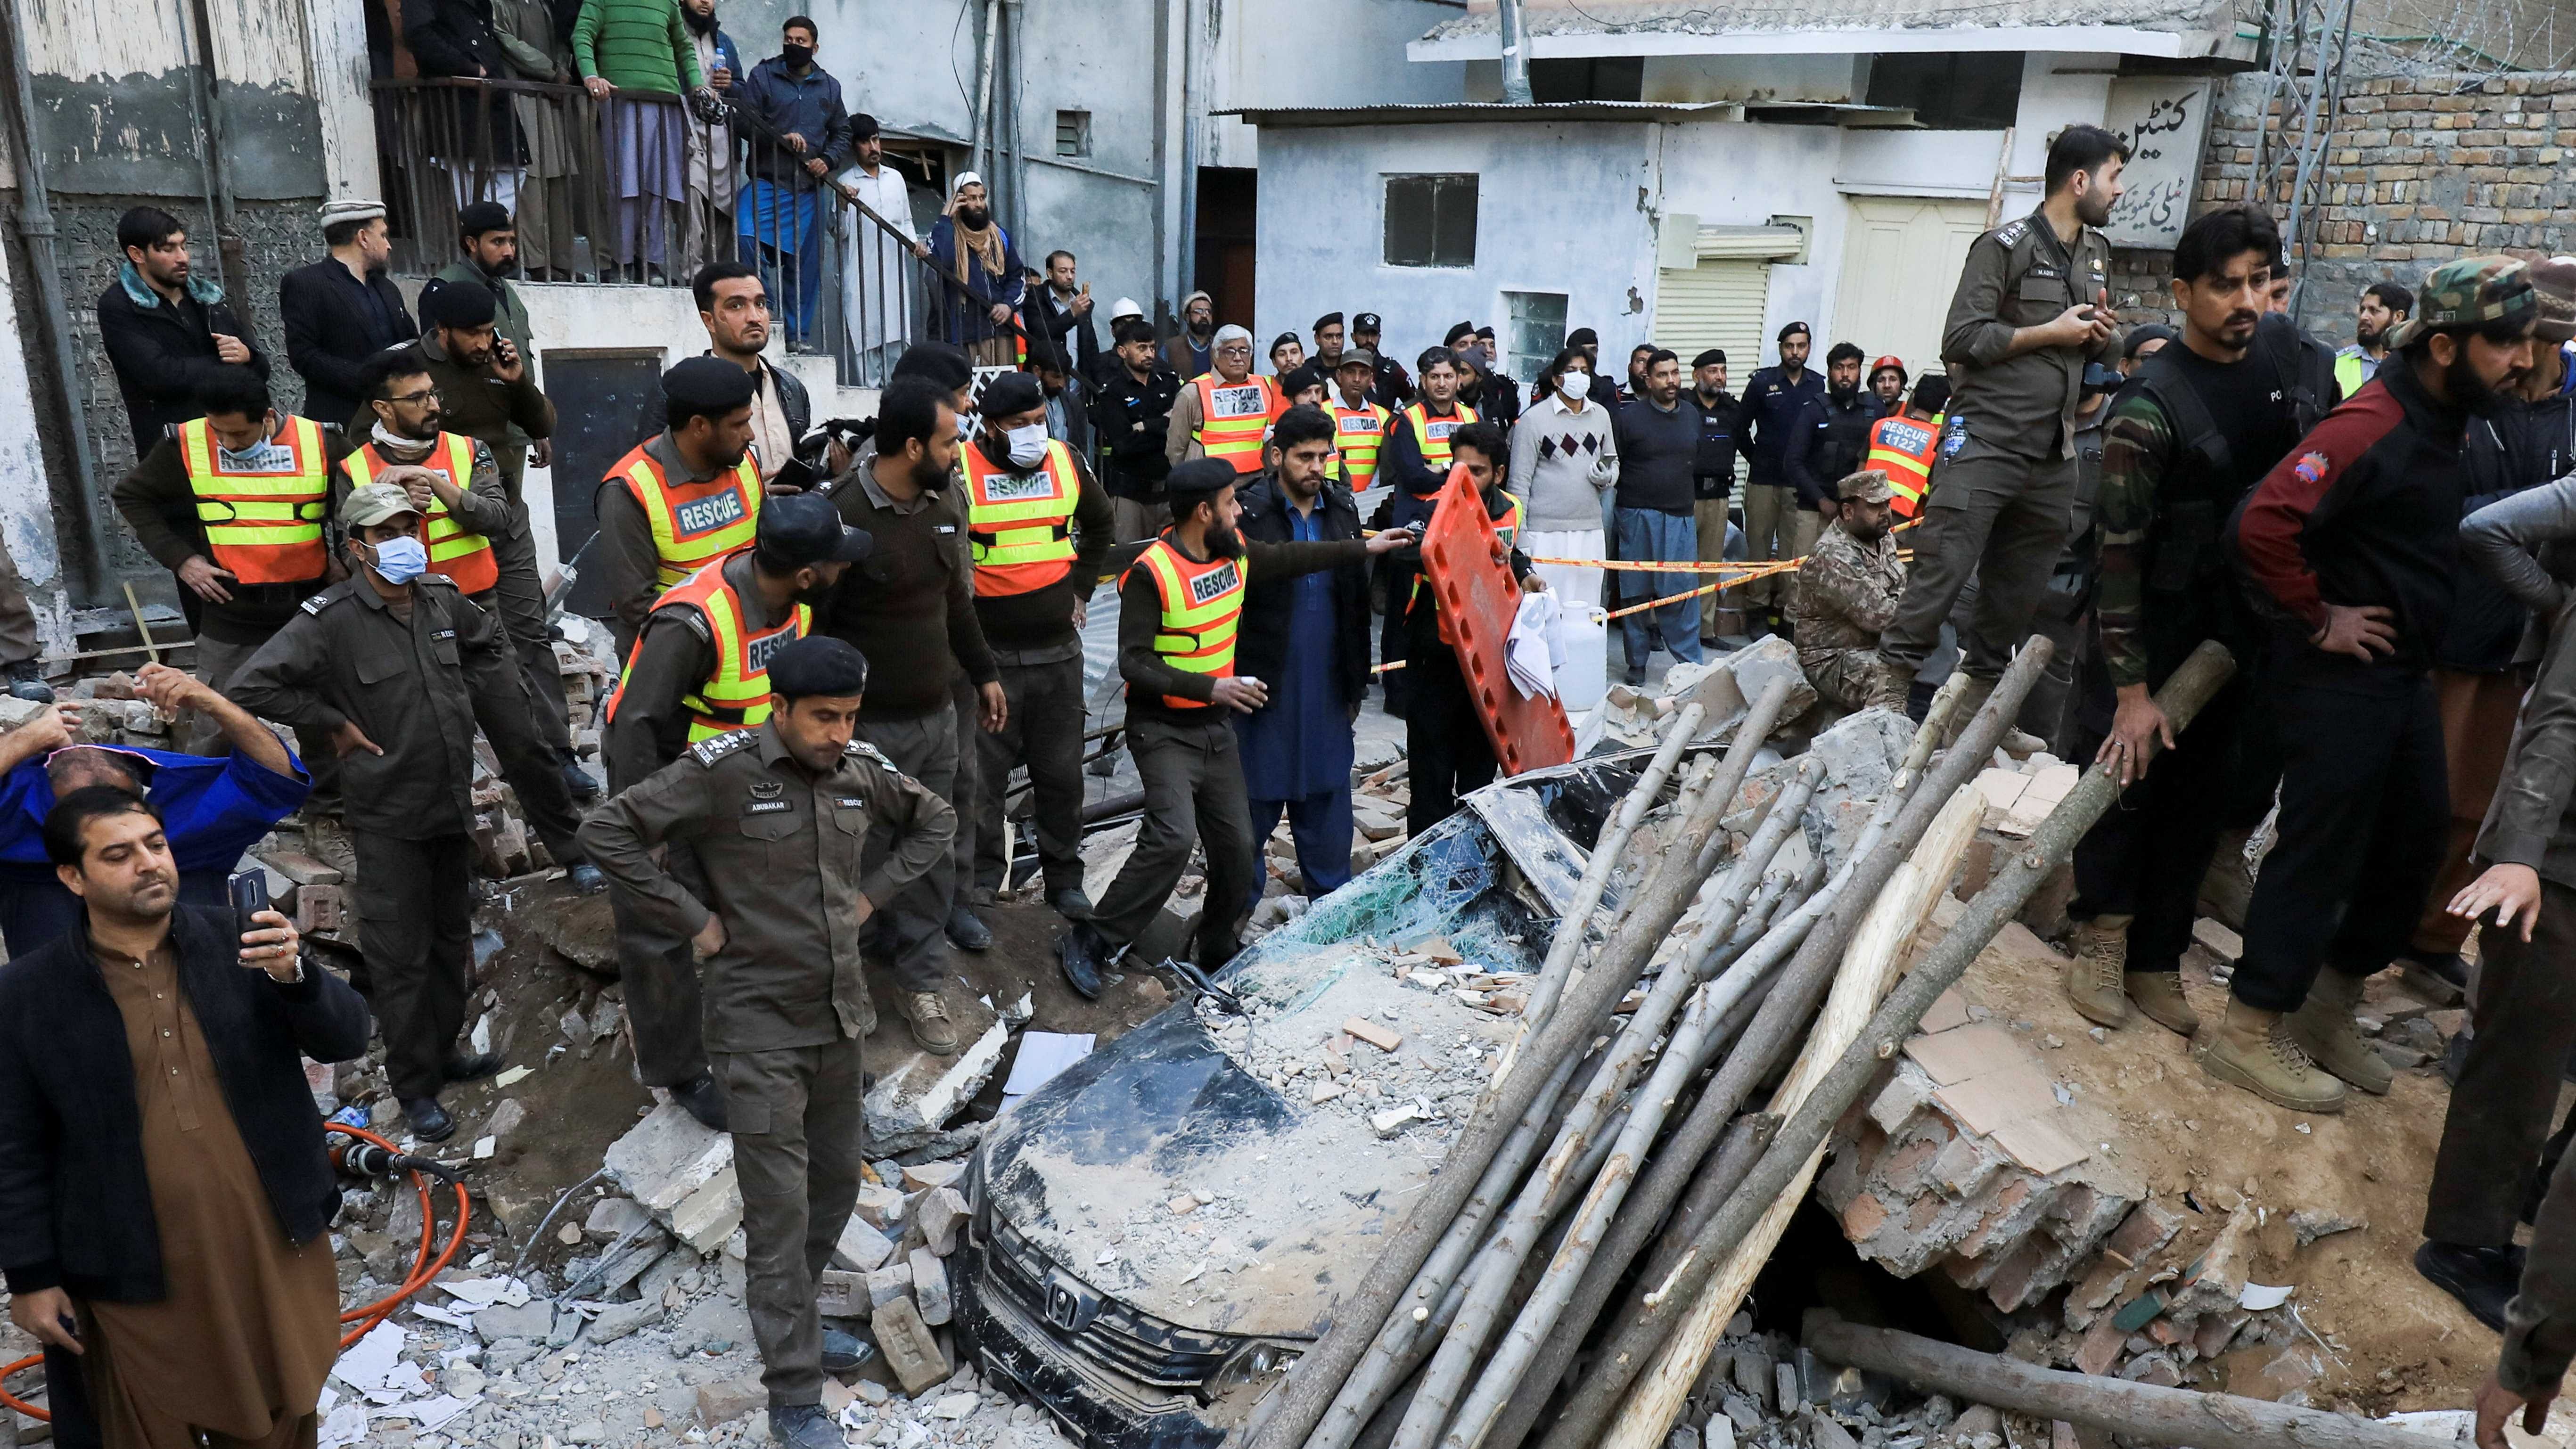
1179	607
397	670
700	669
2033	306
779	818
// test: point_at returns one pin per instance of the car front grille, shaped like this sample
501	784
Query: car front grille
1137	1345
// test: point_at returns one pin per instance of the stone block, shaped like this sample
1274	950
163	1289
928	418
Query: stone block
709	1215
618	1320
730	1399
888	1283
842	1295
667	1156
534	1321
941	1214
881	1207
930	1286
911	1350
861	1249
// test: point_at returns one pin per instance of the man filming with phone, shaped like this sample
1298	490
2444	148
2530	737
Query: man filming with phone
164	1225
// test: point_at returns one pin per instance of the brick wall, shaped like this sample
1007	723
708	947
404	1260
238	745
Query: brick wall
2421	170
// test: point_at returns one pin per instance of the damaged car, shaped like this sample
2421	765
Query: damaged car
1161	1230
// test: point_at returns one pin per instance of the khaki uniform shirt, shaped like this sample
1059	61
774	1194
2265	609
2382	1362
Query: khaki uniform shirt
782	850
1847	593
418	687
2020	275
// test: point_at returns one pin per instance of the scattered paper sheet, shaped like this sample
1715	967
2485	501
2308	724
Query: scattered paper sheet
364	1365
1043	1055
342	1427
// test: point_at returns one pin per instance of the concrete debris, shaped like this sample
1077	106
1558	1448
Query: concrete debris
1963	1156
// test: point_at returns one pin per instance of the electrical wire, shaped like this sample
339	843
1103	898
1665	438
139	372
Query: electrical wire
424	1268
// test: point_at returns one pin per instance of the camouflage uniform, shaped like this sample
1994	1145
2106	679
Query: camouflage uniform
1847	593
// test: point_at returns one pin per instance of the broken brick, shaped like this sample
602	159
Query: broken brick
911	1351
1363	1029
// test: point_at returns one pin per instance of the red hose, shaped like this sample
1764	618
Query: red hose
423	1269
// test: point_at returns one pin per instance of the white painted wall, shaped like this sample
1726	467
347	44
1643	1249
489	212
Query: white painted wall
336	54
26	503
1558	211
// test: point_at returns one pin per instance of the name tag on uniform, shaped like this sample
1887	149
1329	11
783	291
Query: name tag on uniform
1439	431
264	457
1906	437
706	515
943	528
768	807
441	636
849	802
1240	400
1366	425
1006	488
1213	584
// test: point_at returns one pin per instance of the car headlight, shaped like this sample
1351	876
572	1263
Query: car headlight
1256	1366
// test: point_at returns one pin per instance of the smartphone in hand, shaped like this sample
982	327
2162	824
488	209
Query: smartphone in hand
249	890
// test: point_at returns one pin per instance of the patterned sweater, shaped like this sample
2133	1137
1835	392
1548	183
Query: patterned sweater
1553	453
636	45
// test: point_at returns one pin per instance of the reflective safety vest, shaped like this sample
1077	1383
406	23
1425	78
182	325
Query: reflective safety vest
1202	605
1235	416
2351	370
465	557
1903	449
736	696
693	523
1433	434
263	526
1019	526
1357	432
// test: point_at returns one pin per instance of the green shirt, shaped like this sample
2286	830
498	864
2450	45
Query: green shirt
636	45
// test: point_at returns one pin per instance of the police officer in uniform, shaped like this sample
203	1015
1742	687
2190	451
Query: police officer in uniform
1038	530
682	498
1178	608
397	670
778	819
2033	306
699	670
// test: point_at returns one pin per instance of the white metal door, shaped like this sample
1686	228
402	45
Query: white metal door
1901	261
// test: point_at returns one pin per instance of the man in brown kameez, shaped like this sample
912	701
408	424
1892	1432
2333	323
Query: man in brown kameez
164	1193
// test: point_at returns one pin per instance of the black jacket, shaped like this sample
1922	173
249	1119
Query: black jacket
1261	649
456	38
331	332
75	1201
1713	473
161	355
1766	422
1831	439
1132	420
1069	331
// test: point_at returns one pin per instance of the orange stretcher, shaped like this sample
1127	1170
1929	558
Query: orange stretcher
1468	567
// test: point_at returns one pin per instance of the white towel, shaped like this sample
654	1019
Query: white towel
1533	652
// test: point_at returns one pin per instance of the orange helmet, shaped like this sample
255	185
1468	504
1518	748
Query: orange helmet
1884	363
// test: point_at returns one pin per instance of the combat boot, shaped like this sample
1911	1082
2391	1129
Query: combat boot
2158	996
2253	1049
2094	975
2324	1027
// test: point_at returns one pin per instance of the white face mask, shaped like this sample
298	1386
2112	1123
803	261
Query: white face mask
402	560
1028	445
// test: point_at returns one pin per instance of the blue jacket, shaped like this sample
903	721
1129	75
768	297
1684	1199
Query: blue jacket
213	807
1768	420
779	103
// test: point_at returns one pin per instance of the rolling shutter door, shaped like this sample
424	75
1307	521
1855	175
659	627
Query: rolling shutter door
1715	304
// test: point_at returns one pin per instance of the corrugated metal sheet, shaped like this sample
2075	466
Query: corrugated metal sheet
1718	303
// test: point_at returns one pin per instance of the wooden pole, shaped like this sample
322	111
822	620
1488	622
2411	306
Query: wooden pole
1869	967
1357	1319
1768	1185
2142	1412
1786	1012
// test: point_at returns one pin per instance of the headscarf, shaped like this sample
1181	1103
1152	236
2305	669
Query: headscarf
984	242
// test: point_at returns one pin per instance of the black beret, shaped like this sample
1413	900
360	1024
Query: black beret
1463	329
1329	319
1198	478
481	217
1714	357
942	363
1582	337
2140	336
818	665
1009	393
456	304
709	384
1300	378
